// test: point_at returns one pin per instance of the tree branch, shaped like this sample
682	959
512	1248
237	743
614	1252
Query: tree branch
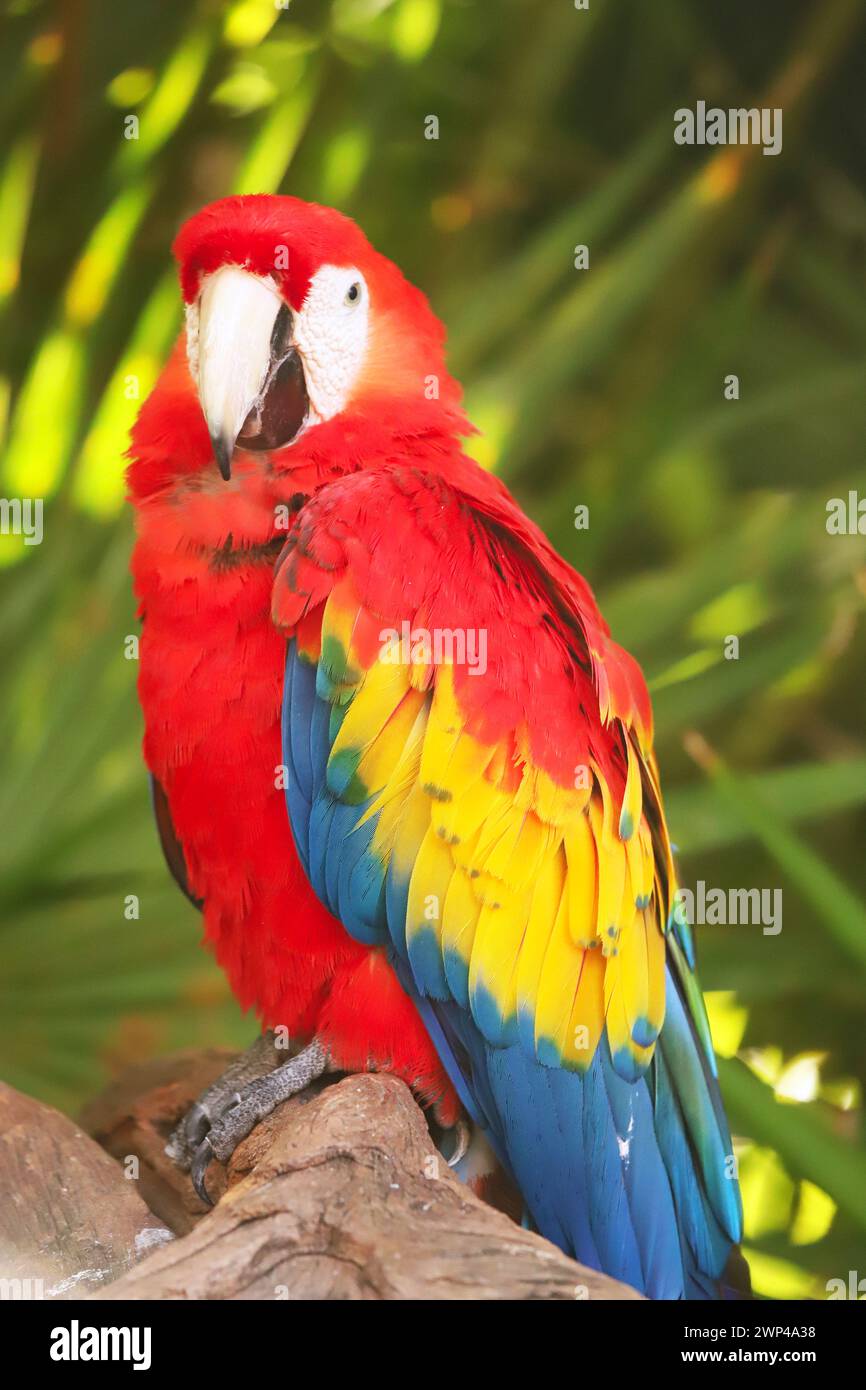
338	1195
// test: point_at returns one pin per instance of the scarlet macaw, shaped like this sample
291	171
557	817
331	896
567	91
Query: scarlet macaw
411	858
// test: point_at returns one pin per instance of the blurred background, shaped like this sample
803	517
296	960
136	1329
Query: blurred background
602	387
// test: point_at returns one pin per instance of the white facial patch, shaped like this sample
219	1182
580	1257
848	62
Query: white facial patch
191	316
330	333
228	337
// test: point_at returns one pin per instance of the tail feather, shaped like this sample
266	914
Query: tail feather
606	1166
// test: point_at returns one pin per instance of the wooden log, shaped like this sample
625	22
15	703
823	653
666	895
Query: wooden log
342	1195
136	1114
70	1220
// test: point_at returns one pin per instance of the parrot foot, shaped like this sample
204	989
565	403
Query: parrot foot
462	1140
257	1061
247	1106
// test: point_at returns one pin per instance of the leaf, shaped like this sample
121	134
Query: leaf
831	898
801	1134
702	820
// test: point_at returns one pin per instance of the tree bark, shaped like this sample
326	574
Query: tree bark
71	1219
340	1194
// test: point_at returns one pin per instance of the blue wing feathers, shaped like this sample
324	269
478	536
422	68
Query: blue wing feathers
297	714
629	1177
396	904
700	1112
362	887
428	969
645	1180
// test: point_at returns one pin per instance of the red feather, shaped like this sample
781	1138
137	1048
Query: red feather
212	659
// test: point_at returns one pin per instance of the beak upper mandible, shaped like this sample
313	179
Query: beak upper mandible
236	318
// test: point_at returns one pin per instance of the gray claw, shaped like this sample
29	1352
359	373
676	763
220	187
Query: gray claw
222	1117
198	1170
196	1125
462	1140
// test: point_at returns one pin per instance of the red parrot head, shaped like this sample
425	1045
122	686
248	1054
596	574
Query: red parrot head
294	320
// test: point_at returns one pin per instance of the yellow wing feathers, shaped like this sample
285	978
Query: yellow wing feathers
538	906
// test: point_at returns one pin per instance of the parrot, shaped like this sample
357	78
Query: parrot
402	768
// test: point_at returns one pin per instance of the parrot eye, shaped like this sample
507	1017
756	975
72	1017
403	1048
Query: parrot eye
353	293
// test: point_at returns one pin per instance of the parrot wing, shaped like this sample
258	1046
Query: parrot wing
171	846
471	785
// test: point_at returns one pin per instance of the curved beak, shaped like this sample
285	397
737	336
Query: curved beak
236	317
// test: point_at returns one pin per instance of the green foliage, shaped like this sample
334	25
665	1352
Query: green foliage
601	387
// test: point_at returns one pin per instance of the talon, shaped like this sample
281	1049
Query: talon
196	1125
203	1155
461	1143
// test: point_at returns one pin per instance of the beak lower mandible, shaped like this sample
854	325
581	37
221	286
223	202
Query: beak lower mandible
235	322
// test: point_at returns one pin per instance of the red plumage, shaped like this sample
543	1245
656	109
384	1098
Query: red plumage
212	659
